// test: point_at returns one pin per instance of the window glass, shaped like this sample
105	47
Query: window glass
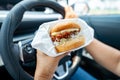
96	7
81	7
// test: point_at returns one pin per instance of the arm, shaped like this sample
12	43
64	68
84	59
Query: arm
46	66
105	55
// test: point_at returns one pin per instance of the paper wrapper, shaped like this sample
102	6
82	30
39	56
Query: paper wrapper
43	42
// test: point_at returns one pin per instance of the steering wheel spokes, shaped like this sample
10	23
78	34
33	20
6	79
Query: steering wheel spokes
62	71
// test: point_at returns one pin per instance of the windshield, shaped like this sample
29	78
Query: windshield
93	7
81	7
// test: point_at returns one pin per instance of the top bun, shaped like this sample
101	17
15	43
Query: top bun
65	25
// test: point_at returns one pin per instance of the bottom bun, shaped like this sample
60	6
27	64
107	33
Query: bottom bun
71	44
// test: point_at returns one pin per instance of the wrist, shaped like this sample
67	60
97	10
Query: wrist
43	74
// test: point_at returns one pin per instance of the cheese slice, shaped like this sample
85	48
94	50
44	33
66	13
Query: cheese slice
66	30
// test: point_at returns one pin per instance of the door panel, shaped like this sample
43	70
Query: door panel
107	28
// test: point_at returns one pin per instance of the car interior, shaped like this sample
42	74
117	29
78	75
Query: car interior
19	21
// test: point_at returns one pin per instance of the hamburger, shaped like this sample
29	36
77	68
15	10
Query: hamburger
65	36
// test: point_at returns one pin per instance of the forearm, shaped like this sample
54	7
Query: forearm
105	55
45	67
42	77
41	74
45	72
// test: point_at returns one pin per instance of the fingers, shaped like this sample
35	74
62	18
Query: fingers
61	56
68	8
40	55
69	13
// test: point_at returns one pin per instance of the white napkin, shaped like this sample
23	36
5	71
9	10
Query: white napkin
43	42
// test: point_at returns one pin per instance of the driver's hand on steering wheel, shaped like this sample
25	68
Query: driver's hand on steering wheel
69	13
47	65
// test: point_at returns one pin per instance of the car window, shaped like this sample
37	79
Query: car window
104	7
7	4
97	7
93	7
81	7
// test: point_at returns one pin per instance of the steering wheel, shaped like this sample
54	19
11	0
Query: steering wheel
11	51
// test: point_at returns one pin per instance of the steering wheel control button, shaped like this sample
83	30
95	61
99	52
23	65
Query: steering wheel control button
28	53
28	49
